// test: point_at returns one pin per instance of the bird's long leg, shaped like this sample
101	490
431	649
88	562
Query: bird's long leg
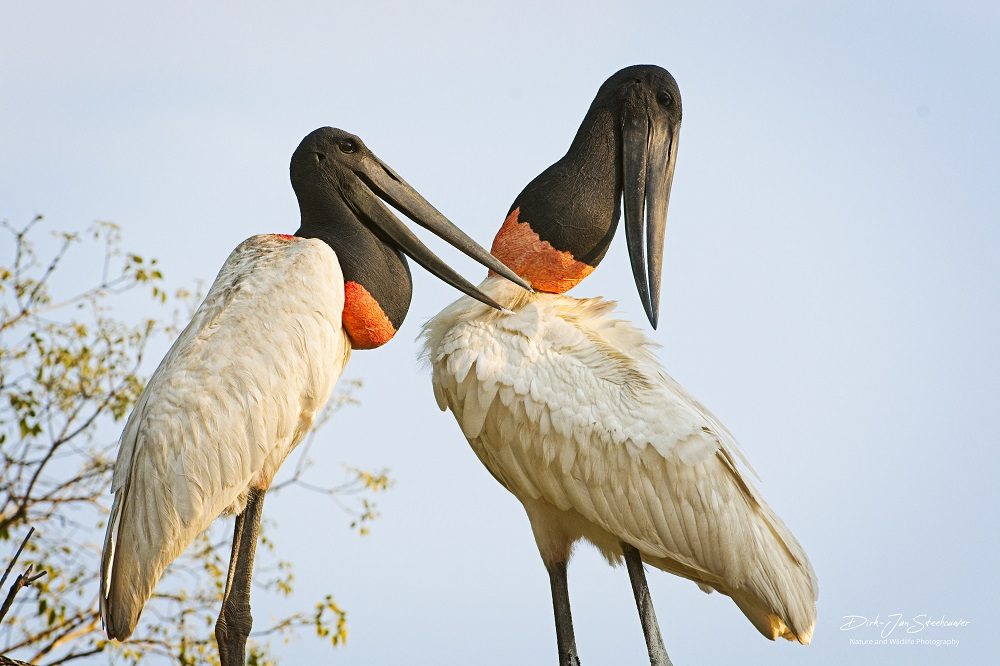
565	638
643	602
235	620
237	533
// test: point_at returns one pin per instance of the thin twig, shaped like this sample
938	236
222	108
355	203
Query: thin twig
27	579
16	555
76	655
7	661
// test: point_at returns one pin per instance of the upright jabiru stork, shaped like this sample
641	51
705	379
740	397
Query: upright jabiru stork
241	385
569	409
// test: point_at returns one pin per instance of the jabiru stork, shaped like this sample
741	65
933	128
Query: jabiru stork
568	408
242	383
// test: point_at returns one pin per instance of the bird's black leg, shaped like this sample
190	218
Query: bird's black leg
564	618
647	616
235	620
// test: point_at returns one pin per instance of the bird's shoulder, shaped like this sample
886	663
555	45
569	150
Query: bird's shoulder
296	269
571	365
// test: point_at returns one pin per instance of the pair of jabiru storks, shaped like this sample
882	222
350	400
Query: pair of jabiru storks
564	404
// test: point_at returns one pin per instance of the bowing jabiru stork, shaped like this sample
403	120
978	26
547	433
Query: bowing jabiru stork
569	409
241	385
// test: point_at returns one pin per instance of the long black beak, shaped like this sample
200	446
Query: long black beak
378	180
649	152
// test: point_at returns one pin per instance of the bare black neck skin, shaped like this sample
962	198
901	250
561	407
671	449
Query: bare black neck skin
364	257
574	204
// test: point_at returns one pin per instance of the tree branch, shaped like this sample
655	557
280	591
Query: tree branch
27	579
7	661
13	561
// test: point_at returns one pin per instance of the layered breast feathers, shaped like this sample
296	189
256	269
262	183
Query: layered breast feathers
236	392
567	405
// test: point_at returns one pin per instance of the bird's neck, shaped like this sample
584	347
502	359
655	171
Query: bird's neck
377	282
562	223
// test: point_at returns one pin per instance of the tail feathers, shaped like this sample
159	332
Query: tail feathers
140	543
128	589
772	625
126	580
779	596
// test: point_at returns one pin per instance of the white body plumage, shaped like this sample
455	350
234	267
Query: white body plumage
234	395
569	409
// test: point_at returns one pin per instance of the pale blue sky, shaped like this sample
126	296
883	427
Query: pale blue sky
830	280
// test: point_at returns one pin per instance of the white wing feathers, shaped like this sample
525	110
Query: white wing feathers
569	409
236	392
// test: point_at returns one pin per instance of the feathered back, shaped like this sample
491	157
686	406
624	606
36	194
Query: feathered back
569	409
237	390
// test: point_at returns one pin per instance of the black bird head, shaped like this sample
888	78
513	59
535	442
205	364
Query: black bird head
341	186
560	226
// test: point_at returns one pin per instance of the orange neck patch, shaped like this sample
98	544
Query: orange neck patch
524	252
363	318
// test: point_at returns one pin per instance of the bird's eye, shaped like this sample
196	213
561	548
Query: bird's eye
665	98
347	146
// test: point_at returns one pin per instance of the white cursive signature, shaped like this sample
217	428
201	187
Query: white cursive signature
894	621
